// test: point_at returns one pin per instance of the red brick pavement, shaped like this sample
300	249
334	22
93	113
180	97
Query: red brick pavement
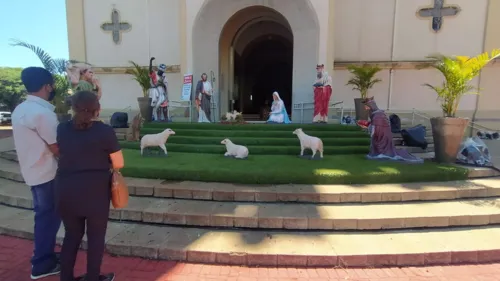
15	266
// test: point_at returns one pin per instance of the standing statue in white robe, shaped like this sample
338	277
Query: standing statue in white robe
278	112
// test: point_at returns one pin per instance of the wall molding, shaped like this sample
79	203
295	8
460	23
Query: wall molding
175	68
342	65
338	65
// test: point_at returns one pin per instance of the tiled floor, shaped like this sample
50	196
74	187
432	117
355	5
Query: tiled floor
15	266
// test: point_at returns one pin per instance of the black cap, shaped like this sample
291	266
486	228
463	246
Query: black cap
34	78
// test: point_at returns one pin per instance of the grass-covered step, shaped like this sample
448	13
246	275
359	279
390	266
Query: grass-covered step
252	247
267	141
347	216
254	150
250	127
357	171
257	134
284	169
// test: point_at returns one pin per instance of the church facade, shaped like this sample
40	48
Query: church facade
252	47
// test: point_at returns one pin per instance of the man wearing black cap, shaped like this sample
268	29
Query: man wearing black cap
34	126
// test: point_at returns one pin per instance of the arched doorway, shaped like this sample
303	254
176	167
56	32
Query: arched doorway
263	63
226	40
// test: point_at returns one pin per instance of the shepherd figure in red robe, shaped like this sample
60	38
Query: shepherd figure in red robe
322	93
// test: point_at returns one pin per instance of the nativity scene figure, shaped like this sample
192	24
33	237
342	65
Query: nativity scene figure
158	91
278	113
203	99
381	145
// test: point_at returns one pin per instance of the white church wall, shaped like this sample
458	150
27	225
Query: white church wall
321	7
192	9
101	50
459	35
120	93
163	20
490	87
363	30
343	92
154	32
408	91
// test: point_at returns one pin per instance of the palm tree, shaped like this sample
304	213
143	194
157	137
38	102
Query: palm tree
57	67
458	72
362	80
141	75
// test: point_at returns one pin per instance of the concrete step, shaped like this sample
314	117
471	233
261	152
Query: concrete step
278	248
398	141
121	136
482	187
410	149
428	134
299	216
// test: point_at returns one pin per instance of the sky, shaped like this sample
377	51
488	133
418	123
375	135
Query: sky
38	22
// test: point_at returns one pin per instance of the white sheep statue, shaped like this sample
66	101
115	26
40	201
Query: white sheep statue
306	141
238	151
156	140
232	116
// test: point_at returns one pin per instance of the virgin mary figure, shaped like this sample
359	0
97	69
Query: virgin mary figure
278	112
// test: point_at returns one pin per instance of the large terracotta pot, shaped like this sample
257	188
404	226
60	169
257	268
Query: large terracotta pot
448	134
145	108
361	112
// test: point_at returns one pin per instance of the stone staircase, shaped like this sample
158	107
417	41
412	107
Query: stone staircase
290	225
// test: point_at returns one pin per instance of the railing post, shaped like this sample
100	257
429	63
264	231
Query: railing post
413	117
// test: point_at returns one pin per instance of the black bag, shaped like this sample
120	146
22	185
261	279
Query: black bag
395	123
415	137
119	120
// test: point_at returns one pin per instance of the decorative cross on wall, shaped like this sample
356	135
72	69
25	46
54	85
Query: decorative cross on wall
438	12
115	26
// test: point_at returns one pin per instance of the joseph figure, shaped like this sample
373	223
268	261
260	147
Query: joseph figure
203	99
322	93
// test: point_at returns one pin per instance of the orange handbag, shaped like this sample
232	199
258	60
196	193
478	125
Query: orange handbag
119	190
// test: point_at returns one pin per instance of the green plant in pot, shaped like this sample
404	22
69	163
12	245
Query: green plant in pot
141	75
57	67
363	80
448	131
62	99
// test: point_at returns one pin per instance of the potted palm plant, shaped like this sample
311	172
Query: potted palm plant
448	131
141	75
362	81
57	67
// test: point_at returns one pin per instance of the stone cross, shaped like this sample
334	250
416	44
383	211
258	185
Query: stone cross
438	12
115	26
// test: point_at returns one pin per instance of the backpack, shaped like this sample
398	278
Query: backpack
395	123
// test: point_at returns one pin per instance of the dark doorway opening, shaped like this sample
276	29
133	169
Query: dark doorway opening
265	66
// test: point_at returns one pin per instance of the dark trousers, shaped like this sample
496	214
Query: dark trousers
47	223
75	228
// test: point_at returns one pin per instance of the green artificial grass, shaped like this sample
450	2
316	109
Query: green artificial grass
256	134
268	169
266	141
254	150
252	127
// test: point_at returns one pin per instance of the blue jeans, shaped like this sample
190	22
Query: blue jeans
47	223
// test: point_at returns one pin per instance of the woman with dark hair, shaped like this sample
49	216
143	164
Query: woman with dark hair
89	150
